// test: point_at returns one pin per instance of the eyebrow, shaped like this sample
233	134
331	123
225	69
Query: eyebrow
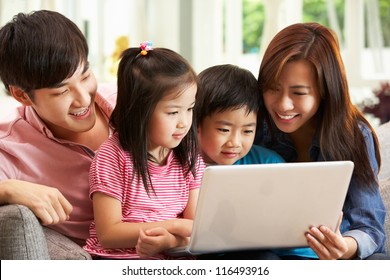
231	124
61	84
300	86
179	106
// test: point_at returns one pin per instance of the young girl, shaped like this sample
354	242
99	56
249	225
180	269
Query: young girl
310	117
145	179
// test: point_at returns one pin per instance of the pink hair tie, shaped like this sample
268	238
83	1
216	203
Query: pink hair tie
145	47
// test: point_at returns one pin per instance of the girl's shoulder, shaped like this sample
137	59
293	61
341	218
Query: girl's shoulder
111	146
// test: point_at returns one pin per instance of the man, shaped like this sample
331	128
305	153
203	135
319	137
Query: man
47	144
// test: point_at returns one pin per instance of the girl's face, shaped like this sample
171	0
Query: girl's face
294	99
225	137
68	109
171	120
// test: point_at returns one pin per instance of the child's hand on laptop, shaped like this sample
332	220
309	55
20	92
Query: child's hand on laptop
329	245
153	241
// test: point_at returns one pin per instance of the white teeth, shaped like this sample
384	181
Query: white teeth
83	112
284	117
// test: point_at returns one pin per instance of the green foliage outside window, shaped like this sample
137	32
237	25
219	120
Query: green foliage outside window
313	10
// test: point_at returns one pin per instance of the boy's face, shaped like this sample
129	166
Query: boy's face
69	108
225	137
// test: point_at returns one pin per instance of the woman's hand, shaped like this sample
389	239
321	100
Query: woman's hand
329	245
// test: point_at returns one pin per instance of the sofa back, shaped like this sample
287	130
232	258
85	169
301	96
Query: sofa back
383	132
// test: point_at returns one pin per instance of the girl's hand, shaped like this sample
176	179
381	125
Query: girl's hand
153	241
329	245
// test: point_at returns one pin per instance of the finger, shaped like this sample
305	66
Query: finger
318	248
66	205
336	243
155	231
54	218
328	244
144	239
61	206
43	215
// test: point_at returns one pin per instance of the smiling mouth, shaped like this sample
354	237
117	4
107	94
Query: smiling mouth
80	113
286	117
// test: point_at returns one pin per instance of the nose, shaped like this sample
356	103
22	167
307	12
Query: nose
81	96
234	140
185	120
285	103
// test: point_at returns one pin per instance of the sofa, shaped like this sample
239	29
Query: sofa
32	241
383	133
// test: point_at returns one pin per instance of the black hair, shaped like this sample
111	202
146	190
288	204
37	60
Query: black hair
225	87
40	50
143	80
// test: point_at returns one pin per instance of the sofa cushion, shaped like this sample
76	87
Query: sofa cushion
62	248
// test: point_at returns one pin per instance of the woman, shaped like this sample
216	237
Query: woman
309	116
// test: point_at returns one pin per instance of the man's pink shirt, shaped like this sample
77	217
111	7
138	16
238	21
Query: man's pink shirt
30	152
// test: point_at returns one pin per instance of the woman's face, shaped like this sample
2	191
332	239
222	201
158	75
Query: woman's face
294	99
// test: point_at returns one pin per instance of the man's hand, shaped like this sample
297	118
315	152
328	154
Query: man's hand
47	203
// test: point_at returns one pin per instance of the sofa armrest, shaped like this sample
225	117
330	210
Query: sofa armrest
21	235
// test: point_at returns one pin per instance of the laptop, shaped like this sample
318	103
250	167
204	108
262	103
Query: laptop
265	206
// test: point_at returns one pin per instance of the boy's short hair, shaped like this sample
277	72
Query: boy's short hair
226	87
40	50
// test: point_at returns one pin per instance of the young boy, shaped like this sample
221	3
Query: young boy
47	144
227	103
226	107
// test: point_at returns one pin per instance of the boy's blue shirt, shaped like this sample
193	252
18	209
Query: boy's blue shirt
260	155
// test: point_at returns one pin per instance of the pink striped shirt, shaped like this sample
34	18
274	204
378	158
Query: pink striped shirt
111	173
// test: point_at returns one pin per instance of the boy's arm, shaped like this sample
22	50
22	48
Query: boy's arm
47	203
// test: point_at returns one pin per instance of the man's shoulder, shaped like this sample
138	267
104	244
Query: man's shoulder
12	120
106	97
108	91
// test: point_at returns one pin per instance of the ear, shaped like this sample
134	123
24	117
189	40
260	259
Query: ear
20	95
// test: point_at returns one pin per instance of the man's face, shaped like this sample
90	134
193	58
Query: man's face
69	108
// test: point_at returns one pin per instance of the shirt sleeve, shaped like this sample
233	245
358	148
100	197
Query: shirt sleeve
107	171
195	182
